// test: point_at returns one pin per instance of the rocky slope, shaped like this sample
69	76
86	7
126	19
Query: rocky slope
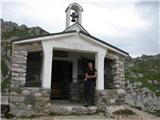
143	83
10	31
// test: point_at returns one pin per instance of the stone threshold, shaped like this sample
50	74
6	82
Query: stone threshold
59	107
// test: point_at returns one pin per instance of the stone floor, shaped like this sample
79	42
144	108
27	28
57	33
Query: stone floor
140	115
91	117
70	117
63	106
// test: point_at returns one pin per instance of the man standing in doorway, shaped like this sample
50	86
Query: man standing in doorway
89	85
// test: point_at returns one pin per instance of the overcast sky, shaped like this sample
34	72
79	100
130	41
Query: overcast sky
131	25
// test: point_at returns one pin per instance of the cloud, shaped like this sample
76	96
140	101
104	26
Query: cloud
130	25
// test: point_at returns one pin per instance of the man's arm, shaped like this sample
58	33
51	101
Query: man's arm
92	76
86	76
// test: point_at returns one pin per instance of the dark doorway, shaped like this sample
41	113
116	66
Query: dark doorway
34	60
108	76
61	79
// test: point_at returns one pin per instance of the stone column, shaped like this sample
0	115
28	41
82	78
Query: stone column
100	70
19	63
47	67
118	80
118	75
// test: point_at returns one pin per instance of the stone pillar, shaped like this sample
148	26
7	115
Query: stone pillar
47	67
75	70
118	81
19	68
100	70
118	75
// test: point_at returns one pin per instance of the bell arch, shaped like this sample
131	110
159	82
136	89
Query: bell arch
74	10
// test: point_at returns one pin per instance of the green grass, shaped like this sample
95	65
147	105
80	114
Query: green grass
150	68
4	67
5	84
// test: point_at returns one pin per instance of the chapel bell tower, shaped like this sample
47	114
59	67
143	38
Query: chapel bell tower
73	14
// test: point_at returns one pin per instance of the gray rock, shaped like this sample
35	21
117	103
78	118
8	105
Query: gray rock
92	109
16	99
37	94
13	93
30	99
20	70
79	110
26	92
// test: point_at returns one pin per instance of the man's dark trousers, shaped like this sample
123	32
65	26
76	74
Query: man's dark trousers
89	89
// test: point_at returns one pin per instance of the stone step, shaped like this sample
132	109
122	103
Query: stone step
75	109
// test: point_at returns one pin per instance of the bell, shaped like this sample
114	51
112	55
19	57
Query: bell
73	19
74	16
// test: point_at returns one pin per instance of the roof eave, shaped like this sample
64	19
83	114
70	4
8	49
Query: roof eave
40	38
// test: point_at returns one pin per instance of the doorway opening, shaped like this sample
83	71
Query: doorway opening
61	79
33	74
108	76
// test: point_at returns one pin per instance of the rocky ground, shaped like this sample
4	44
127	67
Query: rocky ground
140	115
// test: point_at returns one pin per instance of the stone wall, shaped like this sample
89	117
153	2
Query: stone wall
106	99
118	74
75	91
25	101
19	62
29	101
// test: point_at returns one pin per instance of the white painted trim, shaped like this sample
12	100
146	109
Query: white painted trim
76	25
99	64
47	67
43	38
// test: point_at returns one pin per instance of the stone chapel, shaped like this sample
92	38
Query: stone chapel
49	69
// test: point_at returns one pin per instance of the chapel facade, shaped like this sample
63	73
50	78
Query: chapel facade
51	68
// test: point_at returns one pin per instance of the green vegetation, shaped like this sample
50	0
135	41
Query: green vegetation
4	67
145	71
5	84
16	33
52	114
156	112
9	115
124	112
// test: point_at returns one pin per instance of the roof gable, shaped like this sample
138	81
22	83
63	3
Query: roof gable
76	26
104	43
64	33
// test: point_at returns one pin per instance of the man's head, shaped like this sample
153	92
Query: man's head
90	65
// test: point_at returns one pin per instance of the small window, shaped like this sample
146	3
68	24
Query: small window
33	75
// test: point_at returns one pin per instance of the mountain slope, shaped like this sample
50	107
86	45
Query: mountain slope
145	72
10	31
